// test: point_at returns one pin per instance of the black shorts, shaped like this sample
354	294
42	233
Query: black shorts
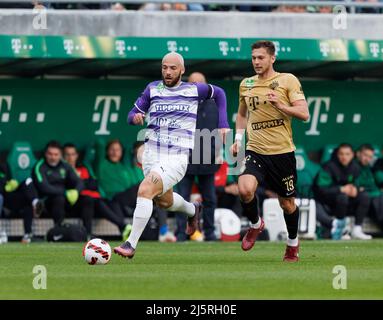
278	172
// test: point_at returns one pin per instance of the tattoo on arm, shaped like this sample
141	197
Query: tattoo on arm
153	179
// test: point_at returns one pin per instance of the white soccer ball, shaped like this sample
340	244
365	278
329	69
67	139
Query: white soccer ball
97	251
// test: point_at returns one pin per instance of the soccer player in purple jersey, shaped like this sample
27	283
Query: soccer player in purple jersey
171	108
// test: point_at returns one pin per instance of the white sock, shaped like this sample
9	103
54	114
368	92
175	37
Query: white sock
292	242
257	224
141	216
34	202
181	205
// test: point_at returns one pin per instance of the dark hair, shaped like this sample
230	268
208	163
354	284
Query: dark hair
53	144
268	45
69	145
113	141
366	146
344	145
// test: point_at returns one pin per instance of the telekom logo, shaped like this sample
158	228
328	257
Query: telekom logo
106	110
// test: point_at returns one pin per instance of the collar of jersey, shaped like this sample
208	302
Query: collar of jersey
172	87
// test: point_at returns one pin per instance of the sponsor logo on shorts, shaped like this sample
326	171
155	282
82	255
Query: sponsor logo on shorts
267	124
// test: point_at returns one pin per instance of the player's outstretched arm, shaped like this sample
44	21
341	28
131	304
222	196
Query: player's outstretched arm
141	106
209	91
219	96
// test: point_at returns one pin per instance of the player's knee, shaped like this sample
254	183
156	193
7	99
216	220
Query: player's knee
146	190
246	194
288	206
163	203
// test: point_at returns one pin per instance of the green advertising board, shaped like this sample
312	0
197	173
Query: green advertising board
71	47
82	111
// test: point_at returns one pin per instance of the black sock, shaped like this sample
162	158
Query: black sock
250	210
292	223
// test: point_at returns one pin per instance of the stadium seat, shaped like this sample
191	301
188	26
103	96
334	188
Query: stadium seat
306	170
377	152
275	223
227	225
327	152
89	155
21	160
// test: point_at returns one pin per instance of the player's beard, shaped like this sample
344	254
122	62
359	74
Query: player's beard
260	71
174	82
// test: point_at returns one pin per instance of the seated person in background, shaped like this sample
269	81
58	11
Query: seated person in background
57	183
164	7
115	179
335	187
366	182
90	203
378	173
21	199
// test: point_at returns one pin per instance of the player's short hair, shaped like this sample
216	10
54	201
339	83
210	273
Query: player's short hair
267	44
365	146
69	145
53	144
177	55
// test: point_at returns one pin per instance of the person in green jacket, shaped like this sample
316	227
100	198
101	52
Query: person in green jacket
117	181
366	182
335	186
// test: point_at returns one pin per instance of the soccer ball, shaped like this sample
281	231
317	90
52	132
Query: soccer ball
97	251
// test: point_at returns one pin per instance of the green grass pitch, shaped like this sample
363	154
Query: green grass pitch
195	271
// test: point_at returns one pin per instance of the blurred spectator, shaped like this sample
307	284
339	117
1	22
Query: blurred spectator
90	204
117	7
292	9
23	5
366	182
20	199
164	7
207	118
366	9
57	183
335	187
115	179
195	7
